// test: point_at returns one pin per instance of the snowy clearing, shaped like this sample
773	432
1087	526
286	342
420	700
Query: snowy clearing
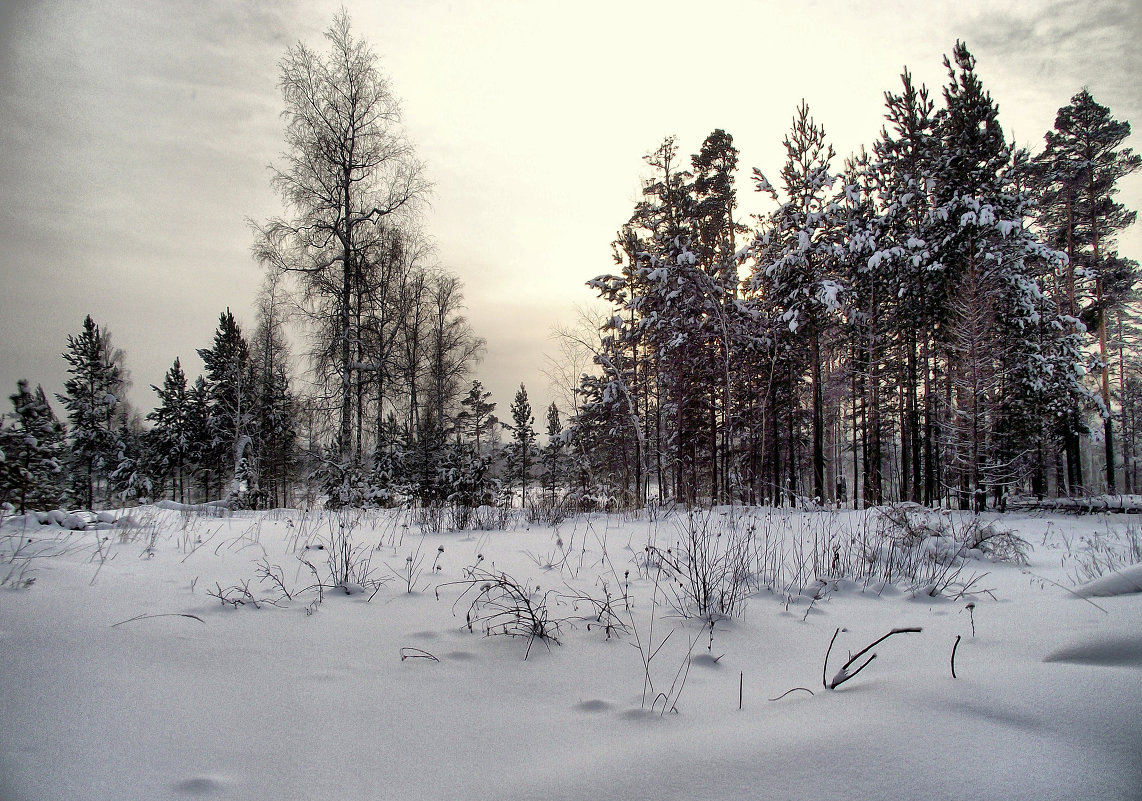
185	654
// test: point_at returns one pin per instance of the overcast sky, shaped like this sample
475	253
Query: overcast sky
135	139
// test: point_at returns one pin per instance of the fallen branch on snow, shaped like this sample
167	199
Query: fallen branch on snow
847	672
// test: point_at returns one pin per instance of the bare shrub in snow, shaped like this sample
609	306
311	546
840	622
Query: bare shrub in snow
430	518
710	568
548	511
239	595
995	541
413	568
601	612
649	650
1107	552
460	517
349	566
499	517
926	550
17	553
501	605
274	576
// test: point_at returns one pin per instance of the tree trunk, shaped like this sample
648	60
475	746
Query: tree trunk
1108	423
818	419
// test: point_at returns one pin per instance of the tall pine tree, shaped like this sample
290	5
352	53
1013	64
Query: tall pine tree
521	452
171	432
1079	173
92	398
231	401
32	446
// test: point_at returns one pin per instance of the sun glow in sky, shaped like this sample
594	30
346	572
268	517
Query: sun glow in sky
135	139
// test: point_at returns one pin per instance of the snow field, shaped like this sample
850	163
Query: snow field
306	700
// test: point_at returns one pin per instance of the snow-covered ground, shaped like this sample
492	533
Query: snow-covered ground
124	675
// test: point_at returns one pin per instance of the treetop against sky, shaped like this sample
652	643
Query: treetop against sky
137	141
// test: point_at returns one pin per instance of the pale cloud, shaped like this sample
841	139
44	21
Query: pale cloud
1067	44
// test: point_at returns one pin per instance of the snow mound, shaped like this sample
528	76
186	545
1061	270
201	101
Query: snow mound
1121	582
1109	652
78	520
217	508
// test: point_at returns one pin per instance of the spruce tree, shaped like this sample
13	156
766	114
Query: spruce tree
171	432
522	449
231	399
273	424
904	160
92	400
199	433
32	446
137	463
553	451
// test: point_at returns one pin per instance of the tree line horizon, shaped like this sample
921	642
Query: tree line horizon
942	319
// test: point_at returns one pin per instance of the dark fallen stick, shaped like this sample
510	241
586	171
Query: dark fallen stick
416	653
167	614
844	674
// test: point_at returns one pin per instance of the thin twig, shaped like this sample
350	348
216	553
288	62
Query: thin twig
1068	589
795	689
844	675
954	647
167	614
825	667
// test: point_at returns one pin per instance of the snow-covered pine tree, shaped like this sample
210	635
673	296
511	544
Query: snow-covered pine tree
92	398
137	463
671	316
991	335
1079	173
521	450
967	189
32	447
553	453
649	347
800	244
1047	381
602	445
475	419
170	434
624	341
870	313
231	402
200	459
902	168
388	478
466	480
716	279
